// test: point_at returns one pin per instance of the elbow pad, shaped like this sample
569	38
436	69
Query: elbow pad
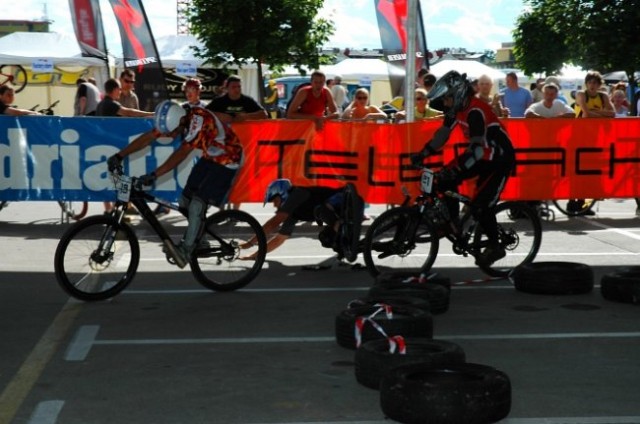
439	139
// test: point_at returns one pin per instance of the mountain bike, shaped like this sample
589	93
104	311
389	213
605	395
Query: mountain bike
407	238
14	75
98	257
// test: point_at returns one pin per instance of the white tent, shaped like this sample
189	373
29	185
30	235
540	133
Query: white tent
176	49
66	55
472	68
22	48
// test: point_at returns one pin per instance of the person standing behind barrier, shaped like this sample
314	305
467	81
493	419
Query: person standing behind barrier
339	93
591	103
109	106
516	99
314	102
549	106
128	98
618	98
234	106
7	96
360	109
87	98
192	87
485	84
421	109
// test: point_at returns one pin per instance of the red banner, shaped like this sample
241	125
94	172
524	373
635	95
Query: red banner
556	158
140	53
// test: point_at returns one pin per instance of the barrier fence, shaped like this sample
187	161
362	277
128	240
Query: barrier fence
50	158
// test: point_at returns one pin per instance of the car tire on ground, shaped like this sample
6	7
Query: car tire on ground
373	359
554	278
437	295
391	279
458	393
622	286
393	301
406	321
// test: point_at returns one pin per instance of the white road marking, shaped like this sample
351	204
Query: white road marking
85	339
46	412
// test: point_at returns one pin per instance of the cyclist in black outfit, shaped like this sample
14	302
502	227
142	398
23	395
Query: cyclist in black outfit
489	156
295	204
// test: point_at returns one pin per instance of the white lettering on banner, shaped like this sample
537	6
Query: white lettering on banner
73	165
141	61
16	153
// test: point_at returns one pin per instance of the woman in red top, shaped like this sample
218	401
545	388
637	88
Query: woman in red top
314	102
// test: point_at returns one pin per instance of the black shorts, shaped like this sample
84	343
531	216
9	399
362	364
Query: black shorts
210	182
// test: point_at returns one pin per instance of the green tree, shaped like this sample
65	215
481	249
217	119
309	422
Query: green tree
275	32
595	34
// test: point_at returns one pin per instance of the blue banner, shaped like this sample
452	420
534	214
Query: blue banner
58	158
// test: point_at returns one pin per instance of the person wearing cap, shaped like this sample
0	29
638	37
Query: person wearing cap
192	87
555	80
549	106
212	176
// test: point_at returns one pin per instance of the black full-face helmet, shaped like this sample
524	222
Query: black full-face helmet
454	85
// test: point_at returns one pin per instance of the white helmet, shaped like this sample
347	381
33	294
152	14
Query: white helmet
167	116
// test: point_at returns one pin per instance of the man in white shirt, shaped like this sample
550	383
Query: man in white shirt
339	93
549	106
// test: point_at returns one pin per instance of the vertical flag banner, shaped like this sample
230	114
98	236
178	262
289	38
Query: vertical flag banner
392	17
140	53
87	24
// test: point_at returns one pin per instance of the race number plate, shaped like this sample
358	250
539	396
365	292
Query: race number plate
123	188
426	182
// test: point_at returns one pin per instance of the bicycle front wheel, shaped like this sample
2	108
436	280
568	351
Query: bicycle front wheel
399	240
223	261
519	233
96	258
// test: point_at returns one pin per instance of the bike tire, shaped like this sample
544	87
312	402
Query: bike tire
85	275
224	270
352	217
71	209
521	238
18	76
562	206
388	247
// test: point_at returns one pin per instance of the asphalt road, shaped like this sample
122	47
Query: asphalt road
168	351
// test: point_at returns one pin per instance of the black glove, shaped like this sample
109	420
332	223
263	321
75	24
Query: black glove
114	163
448	175
148	179
417	159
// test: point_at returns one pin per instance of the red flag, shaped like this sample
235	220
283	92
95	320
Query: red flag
140	53
392	18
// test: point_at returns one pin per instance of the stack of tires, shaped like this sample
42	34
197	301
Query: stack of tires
419	379
622	285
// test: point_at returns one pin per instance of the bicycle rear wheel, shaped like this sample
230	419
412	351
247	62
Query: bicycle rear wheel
352	210
74	210
15	75
219	263
520	237
400	241
96	258
573	207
